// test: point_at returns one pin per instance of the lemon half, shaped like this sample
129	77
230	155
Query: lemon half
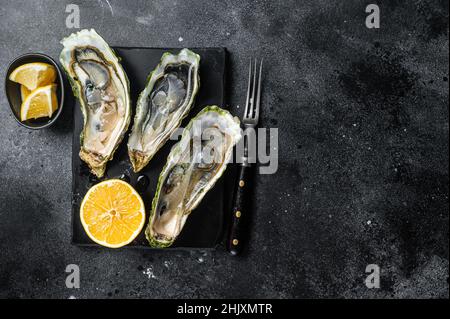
112	213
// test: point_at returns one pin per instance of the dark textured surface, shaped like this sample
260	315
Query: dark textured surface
363	172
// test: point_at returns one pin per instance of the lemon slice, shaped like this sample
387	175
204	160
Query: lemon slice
24	92
112	213
41	102
34	75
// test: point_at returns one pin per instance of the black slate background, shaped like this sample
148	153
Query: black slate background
363	152
205	228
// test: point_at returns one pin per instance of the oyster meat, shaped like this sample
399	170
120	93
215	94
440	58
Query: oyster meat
193	166
167	98
102	87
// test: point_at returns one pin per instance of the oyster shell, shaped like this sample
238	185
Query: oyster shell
167	98
193	166
102	87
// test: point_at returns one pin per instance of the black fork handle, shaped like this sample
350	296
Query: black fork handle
241	209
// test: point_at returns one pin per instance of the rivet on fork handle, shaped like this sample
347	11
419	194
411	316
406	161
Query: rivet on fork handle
241	210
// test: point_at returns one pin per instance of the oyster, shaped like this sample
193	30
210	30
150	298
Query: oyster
193	166
102	87
167	98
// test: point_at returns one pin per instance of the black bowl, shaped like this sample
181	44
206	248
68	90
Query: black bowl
12	90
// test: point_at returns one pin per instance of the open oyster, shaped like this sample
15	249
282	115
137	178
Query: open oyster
102	87
193	166
167	98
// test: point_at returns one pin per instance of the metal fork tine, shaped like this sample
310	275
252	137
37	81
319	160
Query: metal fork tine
248	90
253	100
258	94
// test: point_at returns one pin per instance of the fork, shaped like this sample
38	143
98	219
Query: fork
242	192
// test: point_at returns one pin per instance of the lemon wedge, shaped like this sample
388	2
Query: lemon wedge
34	75
41	102
24	92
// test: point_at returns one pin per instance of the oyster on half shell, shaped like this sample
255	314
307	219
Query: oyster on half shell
167	98
102	87
193	166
